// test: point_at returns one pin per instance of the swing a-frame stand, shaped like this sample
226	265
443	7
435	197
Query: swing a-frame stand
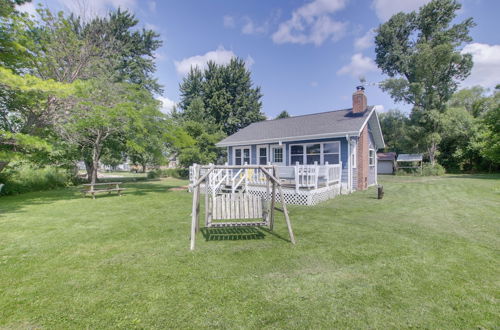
227	204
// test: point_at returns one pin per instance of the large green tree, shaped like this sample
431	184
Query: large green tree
420	52
65	50
395	125
222	96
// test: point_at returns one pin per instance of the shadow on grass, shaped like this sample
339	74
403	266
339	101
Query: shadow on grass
238	233
232	233
494	176
16	203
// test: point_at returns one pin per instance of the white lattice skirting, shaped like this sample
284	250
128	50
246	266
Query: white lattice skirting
302	197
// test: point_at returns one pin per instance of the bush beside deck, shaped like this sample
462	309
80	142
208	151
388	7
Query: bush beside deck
424	256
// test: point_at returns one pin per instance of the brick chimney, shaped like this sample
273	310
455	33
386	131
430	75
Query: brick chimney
359	102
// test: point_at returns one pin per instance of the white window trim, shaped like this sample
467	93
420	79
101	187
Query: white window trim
374	155
354	155
242	147
271	153
262	146
321	153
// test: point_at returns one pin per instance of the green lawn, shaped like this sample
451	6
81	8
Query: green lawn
426	256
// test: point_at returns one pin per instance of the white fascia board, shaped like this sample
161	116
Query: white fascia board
366	121
286	139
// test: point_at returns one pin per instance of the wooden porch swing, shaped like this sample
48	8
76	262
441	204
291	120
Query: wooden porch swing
225	203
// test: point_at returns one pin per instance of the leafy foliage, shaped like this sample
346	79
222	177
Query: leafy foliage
283	114
222	96
420	52
22	177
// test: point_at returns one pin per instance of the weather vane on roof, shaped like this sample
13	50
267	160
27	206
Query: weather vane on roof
364	83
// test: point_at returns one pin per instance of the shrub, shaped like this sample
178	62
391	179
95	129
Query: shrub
429	170
154	174
178	173
22	178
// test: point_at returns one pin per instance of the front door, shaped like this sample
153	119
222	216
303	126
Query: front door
277	155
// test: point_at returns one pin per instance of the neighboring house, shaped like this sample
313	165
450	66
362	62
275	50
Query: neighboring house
386	162
349	138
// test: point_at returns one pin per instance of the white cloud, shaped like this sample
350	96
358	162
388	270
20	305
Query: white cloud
249	61
159	56
91	8
28	7
366	41
219	56
380	108
486	69
152	6
167	104
311	23
386	8
229	21
359	66
149	26
250	28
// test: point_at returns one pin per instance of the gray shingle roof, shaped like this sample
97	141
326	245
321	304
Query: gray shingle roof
317	124
410	157
386	156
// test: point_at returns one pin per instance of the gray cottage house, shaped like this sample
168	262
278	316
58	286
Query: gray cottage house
317	156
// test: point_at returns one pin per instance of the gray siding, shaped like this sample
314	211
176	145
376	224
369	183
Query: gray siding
354	180
385	167
372	170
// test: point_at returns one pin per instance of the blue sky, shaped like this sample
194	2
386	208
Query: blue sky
307	56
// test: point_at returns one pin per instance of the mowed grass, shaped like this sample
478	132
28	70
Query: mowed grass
426	256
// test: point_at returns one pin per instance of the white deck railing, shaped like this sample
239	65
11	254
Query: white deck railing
300	176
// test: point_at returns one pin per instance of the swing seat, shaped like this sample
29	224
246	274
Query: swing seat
241	206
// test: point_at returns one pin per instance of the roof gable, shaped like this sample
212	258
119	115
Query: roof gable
318	125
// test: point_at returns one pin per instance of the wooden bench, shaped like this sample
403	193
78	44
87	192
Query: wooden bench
109	187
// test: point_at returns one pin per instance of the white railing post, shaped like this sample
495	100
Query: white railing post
340	173
297	177
327	171
246	178
316	175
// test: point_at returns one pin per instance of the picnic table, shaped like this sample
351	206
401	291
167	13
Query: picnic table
95	188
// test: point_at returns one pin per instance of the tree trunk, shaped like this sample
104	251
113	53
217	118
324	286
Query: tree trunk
95	166
88	169
432	152
143	168
96	155
2	165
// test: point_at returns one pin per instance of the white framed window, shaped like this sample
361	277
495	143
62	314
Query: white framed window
242	156
371	157
331	152
310	153
296	154
277	154
313	153
262	155
354	155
